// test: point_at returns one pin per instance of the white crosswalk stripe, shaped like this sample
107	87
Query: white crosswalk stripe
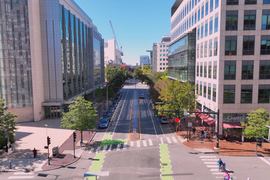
169	140
138	144
125	145
118	147
110	148
91	150
174	139
144	143
105	148
150	142
161	141
22	175
131	144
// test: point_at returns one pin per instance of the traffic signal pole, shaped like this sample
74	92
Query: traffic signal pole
48	143
74	140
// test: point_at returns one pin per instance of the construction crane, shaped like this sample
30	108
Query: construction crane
120	50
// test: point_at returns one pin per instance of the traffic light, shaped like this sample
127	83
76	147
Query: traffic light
259	142
48	140
74	136
177	114
156	113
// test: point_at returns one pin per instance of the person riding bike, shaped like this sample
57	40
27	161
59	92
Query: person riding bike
227	176
220	163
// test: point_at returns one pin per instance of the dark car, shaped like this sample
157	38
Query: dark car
141	96
163	120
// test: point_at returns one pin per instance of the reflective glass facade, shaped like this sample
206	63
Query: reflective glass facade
15	56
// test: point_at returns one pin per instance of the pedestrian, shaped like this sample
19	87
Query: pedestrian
193	130
226	135
35	152
202	132
205	133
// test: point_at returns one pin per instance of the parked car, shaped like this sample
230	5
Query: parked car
104	120
141	96
104	125
163	120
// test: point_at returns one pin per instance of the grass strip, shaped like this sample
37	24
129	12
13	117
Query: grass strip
165	162
96	164
106	142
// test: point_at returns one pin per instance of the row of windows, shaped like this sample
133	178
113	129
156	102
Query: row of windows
163	46
247	2
203	11
163	59
246	94
207	29
249	20
163	64
202	70
206	49
163	50
207	92
164	68
247	70
163	55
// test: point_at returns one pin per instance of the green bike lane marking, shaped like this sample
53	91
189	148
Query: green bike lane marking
165	162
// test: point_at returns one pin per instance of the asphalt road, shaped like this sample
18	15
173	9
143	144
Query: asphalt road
157	155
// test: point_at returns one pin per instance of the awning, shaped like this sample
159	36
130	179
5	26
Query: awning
229	125
206	118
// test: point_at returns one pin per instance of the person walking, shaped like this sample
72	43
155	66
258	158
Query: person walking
205	133
202	132
193	130
35	152
226	136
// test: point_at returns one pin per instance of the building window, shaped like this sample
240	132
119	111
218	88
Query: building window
206	8
216	3
265	44
160	64
249	19
192	4
199	14
205	70
195	17
201	50
205	49
232	2
248	45
201	69
204	90
198	70
250	1
164	68
216	22
211	26
230	45
229	70
231	20
214	93
247	69
202	11
197	87
209	91
210	48
164	59
264	93
265	19
200	88
266	1
198	52
211	5
202	30
210	70
198	33
246	94
206	29
160	68
229	94
215	46
264	69
215	70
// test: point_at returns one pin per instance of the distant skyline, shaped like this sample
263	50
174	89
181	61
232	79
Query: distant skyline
137	24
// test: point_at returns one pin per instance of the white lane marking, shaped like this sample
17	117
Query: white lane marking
105	148
217	173
213	169
212	166
118	147
21	177
209	159
149	112
174	139
150	142
207	156
125	145
169	140
131	143
23	173
264	160
144	143
161	140
110	148
138	144
210	162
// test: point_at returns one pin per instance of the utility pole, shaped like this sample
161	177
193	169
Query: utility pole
217	140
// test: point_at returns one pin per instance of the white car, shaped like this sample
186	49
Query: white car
163	120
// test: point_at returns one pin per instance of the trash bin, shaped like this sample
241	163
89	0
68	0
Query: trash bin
55	151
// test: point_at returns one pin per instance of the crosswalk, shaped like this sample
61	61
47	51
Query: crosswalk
211	163
134	144
22	175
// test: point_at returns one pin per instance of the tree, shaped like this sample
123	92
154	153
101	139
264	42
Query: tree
81	116
7	125
146	69
255	125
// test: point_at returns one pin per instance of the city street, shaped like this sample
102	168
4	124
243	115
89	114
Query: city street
158	154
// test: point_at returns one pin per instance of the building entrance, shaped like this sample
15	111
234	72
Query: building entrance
53	112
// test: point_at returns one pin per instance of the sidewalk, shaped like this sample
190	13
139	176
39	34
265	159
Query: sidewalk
231	148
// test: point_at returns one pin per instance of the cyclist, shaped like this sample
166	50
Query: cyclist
220	163
227	176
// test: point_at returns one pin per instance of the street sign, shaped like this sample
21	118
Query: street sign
176	120
186	113
189	124
102	173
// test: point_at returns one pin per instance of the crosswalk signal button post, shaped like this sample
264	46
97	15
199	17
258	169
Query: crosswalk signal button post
74	136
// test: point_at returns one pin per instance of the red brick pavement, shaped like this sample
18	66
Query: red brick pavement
65	159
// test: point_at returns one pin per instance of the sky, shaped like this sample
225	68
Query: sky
137	23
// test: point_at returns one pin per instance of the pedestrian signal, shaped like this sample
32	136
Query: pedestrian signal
74	136
48	140
259	142
177	114
156	113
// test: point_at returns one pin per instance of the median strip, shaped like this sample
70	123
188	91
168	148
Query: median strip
165	163
96	164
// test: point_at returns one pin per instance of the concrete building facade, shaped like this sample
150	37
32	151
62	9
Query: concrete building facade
111	53
144	59
226	44
162	54
51	53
